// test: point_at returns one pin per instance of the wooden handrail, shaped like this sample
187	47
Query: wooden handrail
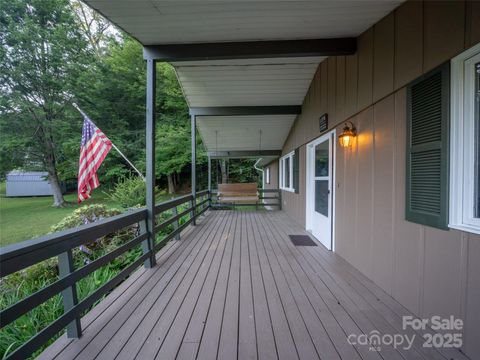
19	256
26	253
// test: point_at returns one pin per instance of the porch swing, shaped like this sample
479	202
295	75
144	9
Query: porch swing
237	193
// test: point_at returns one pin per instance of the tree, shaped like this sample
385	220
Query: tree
41	59
223	170
173	143
243	170
94	26
235	171
55	52
115	101
173	153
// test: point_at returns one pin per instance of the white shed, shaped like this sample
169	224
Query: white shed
28	183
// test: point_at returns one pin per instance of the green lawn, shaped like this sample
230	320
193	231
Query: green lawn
30	217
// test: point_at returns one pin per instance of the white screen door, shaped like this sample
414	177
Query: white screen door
319	188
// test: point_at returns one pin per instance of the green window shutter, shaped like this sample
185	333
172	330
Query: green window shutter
428	111
296	170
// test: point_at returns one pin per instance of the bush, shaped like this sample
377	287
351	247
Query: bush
85	215
23	283
129	192
88	214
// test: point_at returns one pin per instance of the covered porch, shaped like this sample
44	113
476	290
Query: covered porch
235	286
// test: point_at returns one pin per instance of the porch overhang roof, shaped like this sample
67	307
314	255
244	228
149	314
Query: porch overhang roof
260	55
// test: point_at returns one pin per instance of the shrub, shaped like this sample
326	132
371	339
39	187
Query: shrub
23	283
129	192
84	215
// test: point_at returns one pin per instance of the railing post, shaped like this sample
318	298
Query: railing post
193	212
175	223
209	188
279	199
70	298
147	246
194	168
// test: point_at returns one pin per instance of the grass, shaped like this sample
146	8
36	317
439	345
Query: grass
25	218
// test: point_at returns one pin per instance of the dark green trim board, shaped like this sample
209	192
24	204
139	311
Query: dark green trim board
296	170
428	123
150	131
251	49
243	154
246	110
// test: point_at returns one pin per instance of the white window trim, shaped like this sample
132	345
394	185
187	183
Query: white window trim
461	148
282	170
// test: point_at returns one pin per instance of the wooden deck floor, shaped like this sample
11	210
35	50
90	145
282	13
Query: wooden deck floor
235	287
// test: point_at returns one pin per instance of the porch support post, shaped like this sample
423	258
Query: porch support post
194	168
150	161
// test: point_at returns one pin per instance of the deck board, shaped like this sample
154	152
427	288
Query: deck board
235	287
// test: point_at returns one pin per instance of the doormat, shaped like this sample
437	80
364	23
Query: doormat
302	240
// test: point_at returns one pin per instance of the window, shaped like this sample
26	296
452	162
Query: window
286	172
465	142
267	175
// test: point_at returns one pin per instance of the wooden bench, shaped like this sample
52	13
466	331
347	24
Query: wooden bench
238	193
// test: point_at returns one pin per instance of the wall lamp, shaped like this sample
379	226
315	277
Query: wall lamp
349	132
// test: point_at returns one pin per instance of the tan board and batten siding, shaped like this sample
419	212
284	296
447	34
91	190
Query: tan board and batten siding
430	271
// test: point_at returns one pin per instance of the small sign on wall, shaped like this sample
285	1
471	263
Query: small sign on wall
324	122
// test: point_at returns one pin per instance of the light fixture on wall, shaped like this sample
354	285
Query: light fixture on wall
349	132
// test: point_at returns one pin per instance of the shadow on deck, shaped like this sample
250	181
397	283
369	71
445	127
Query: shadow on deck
236	287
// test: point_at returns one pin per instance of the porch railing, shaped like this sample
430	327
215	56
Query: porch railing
19	256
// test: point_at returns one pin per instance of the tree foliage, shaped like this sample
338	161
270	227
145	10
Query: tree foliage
41	59
56	52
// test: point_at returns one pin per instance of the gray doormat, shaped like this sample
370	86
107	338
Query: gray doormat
302	240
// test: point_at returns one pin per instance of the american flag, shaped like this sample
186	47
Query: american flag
93	150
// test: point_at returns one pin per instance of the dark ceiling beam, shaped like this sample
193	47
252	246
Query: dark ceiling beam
250	49
246	110
243	154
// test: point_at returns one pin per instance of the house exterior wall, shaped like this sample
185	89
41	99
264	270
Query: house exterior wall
273	175
274	184
429	271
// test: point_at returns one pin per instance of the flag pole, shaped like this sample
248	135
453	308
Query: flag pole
114	146
128	161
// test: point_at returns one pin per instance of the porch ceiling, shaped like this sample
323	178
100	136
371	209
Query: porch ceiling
236	133
155	22
250	82
257	80
247	82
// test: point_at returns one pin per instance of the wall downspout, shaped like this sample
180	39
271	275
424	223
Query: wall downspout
261	170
